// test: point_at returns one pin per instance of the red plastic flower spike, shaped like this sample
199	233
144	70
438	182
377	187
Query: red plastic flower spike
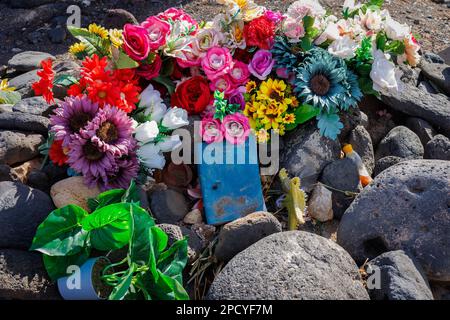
44	86
56	153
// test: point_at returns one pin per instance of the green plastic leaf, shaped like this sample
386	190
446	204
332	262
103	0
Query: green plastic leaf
121	290
172	261
329	124
381	41
94	44
109	226
305	112
308	22
165	81
306	44
61	233
108	197
396	47
65	80
125	62
141	244
132	194
56	266
9	97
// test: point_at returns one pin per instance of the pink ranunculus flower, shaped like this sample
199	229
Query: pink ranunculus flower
217	62
211	129
150	71
293	29
236	128
261	64
157	31
136	43
239	73
223	84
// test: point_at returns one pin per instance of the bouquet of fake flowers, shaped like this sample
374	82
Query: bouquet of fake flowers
250	69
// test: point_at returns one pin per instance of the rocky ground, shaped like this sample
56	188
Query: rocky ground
398	224
39	24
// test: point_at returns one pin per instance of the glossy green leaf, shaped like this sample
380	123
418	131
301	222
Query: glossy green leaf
108	197
174	260
109	226
65	80
141	247
125	62
56	266
61	232
132	194
165	81
121	290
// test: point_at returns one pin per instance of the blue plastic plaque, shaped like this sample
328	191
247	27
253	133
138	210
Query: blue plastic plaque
229	180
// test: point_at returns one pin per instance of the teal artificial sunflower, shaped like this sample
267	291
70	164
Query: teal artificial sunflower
286	55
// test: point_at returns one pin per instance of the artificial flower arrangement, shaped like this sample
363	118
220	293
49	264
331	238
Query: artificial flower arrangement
249	69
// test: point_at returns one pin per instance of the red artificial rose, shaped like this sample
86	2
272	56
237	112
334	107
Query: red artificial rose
193	95
260	32
150	71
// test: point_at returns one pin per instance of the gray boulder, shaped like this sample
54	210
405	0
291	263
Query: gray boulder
28	60
438	148
422	128
342	175
24	122
438	73
294	265
435	108
362	143
23	277
23	83
384	163
176	233
22	209
306	152
34	105
401	278
168	206
16	147
400	142
238	235
405	207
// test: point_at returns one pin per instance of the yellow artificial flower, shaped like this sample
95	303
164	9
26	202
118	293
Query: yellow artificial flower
98	30
77	48
274	91
250	86
281	130
289	118
115	35
4	86
262	136
294	103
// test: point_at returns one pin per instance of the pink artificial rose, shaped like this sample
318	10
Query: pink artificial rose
261	64
174	14
157	31
223	84
211	130
150	71
236	128
274	16
293	29
136	43
192	60
239	73
217	62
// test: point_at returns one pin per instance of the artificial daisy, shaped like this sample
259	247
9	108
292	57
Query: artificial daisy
116	37
110	130
71	117
78	50
98	30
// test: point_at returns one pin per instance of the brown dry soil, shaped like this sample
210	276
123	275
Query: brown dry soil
429	19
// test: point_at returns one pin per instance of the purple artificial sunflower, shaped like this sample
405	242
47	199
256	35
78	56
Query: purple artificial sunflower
110	130
71	117
87	158
124	170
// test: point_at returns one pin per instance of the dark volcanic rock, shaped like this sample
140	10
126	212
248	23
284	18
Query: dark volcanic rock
438	148
117	18
306	152
168	206
400	142
422	128
292	265
23	83
22	209
176	233
18	147
28	60
384	163
438	73
24	122
362	143
402	278
405	207
34	105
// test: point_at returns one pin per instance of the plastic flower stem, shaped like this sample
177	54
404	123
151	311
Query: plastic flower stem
347	193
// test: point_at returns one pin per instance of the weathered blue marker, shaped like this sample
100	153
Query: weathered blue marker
231	188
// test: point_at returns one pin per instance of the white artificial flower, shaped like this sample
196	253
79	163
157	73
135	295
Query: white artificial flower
371	20
151	157
343	47
331	32
134	124
152	103
384	74
351	5
146	132
302	8
175	118
170	143
395	30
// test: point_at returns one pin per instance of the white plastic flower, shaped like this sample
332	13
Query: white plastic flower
175	118
170	143
351	5
151	157
302	8
152	103
372	20
395	30
343	47
331	32
384	74
146	132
